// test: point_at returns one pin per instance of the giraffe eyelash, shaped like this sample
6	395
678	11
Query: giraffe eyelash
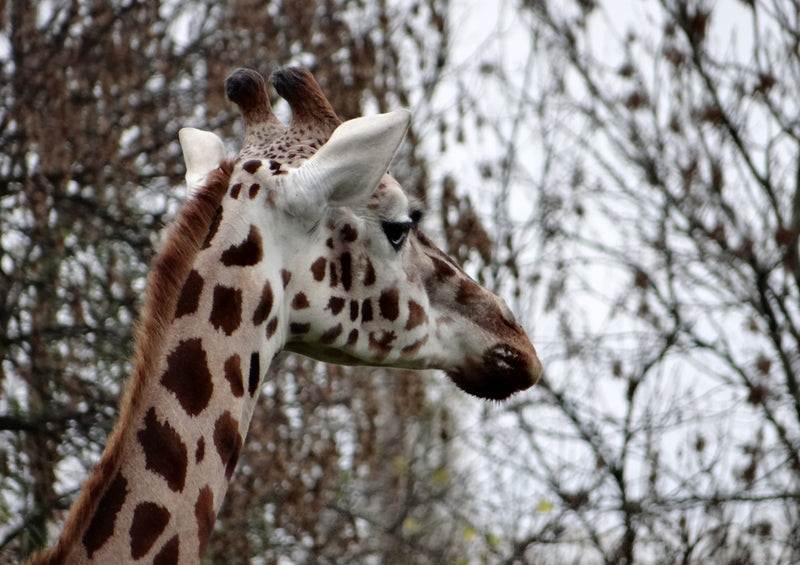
416	217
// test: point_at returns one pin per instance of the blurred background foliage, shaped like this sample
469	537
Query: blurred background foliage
625	175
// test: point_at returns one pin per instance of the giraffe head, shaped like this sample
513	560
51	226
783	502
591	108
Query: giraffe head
360	282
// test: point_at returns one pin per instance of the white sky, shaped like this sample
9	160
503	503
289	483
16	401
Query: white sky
487	32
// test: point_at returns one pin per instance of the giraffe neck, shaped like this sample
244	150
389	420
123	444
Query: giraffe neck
208	334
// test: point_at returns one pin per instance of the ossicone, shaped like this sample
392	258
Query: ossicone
304	95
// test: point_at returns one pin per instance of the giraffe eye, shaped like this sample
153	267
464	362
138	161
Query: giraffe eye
396	233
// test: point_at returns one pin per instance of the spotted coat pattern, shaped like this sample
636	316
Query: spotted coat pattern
239	279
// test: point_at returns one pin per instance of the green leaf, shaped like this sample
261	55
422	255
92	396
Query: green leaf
441	478
399	466
411	526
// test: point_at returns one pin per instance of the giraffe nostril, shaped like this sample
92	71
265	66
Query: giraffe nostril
502	371
512	366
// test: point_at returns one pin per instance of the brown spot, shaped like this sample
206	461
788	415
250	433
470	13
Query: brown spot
212	229
318	269
190	295
264	305
272	197
443	321
233	374
353	310
254	188
346	262
297	328
335	304
272	326
442	268
352	338
366	310
416	315
424	241
255	370
274	165
349	233
228	442
414	347
187	376
102	525
389	304
247	253
369	273
334	275
252	166
149	521
226	310
164	451
235	189
300	301
205	516
382	346
468	291
200	450
330	335
169	553
329	242
286	276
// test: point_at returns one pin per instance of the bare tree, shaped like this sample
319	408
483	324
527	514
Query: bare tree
648	177
638	199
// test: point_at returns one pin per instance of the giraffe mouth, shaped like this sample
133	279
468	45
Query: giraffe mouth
502	371
324	354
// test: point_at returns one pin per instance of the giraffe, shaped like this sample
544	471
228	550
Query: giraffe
303	243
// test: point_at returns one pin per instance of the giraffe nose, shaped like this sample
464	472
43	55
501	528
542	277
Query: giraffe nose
503	370
511	369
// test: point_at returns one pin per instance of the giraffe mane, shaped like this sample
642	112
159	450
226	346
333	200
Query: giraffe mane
168	272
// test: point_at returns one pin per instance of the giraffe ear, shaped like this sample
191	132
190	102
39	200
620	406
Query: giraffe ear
203	151
350	165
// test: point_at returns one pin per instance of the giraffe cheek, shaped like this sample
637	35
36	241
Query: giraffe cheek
411	351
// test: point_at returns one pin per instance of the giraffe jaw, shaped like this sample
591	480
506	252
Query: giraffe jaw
323	353
503	370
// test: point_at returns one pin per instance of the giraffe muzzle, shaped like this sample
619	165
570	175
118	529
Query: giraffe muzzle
499	373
